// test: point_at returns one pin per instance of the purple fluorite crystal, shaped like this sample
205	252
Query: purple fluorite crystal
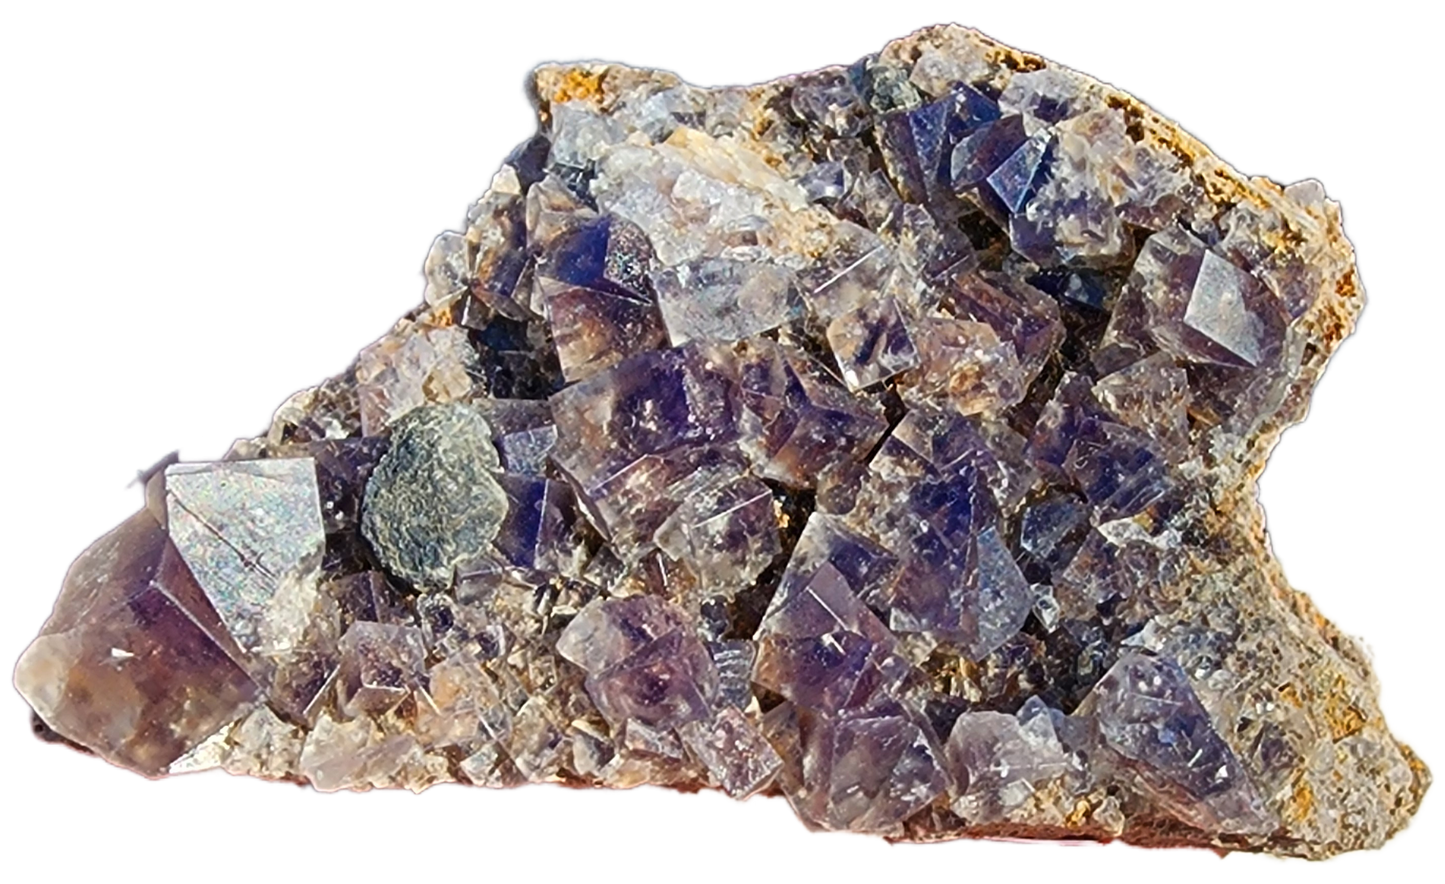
882	437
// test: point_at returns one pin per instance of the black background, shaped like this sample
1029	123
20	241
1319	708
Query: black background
216	218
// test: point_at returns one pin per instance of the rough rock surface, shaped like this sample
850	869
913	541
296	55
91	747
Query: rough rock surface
884	437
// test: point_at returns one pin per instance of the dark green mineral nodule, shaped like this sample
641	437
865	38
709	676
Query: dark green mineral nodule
432	503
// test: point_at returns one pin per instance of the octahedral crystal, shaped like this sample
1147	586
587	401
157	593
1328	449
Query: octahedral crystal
882	437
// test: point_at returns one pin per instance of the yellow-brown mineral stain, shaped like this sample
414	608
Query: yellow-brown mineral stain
1344	718
579	84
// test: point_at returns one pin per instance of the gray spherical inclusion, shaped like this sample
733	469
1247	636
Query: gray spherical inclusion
432	502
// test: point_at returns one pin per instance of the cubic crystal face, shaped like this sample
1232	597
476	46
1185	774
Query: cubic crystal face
251	534
882	437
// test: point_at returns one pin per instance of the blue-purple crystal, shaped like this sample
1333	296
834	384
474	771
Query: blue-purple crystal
1015	178
642	662
797	421
1147	712
980	153
866	771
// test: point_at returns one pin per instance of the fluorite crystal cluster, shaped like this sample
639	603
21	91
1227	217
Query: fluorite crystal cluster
883	437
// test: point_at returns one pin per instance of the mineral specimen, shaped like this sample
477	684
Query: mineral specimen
883	437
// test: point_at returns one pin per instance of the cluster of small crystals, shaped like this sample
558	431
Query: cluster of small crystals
853	438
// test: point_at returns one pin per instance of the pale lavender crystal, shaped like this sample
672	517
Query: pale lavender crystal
649	405
1092	185
381	665
818	645
524	433
1051	527
1193	303
866	771
1293	275
865	567
640	740
536	743
964	366
1016	311
462	704
640	427
825	183
872	343
998	760
635	505
928	501
721	299
1220	310
829	97
527	452
796	420
605	633
1119	471
996	605
927	251
726	532
874	201
642	662
855	268
1045	96
735	754
132	623
1151	395
579	135
1014	180
734	660
942	441
410	367
1119	559
1070	414
1148	713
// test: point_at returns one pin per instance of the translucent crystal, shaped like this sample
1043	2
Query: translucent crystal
719	299
736	756
133	641
1147	712
252	535
641	662
380	666
797	421
866	771
872	343
999	760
